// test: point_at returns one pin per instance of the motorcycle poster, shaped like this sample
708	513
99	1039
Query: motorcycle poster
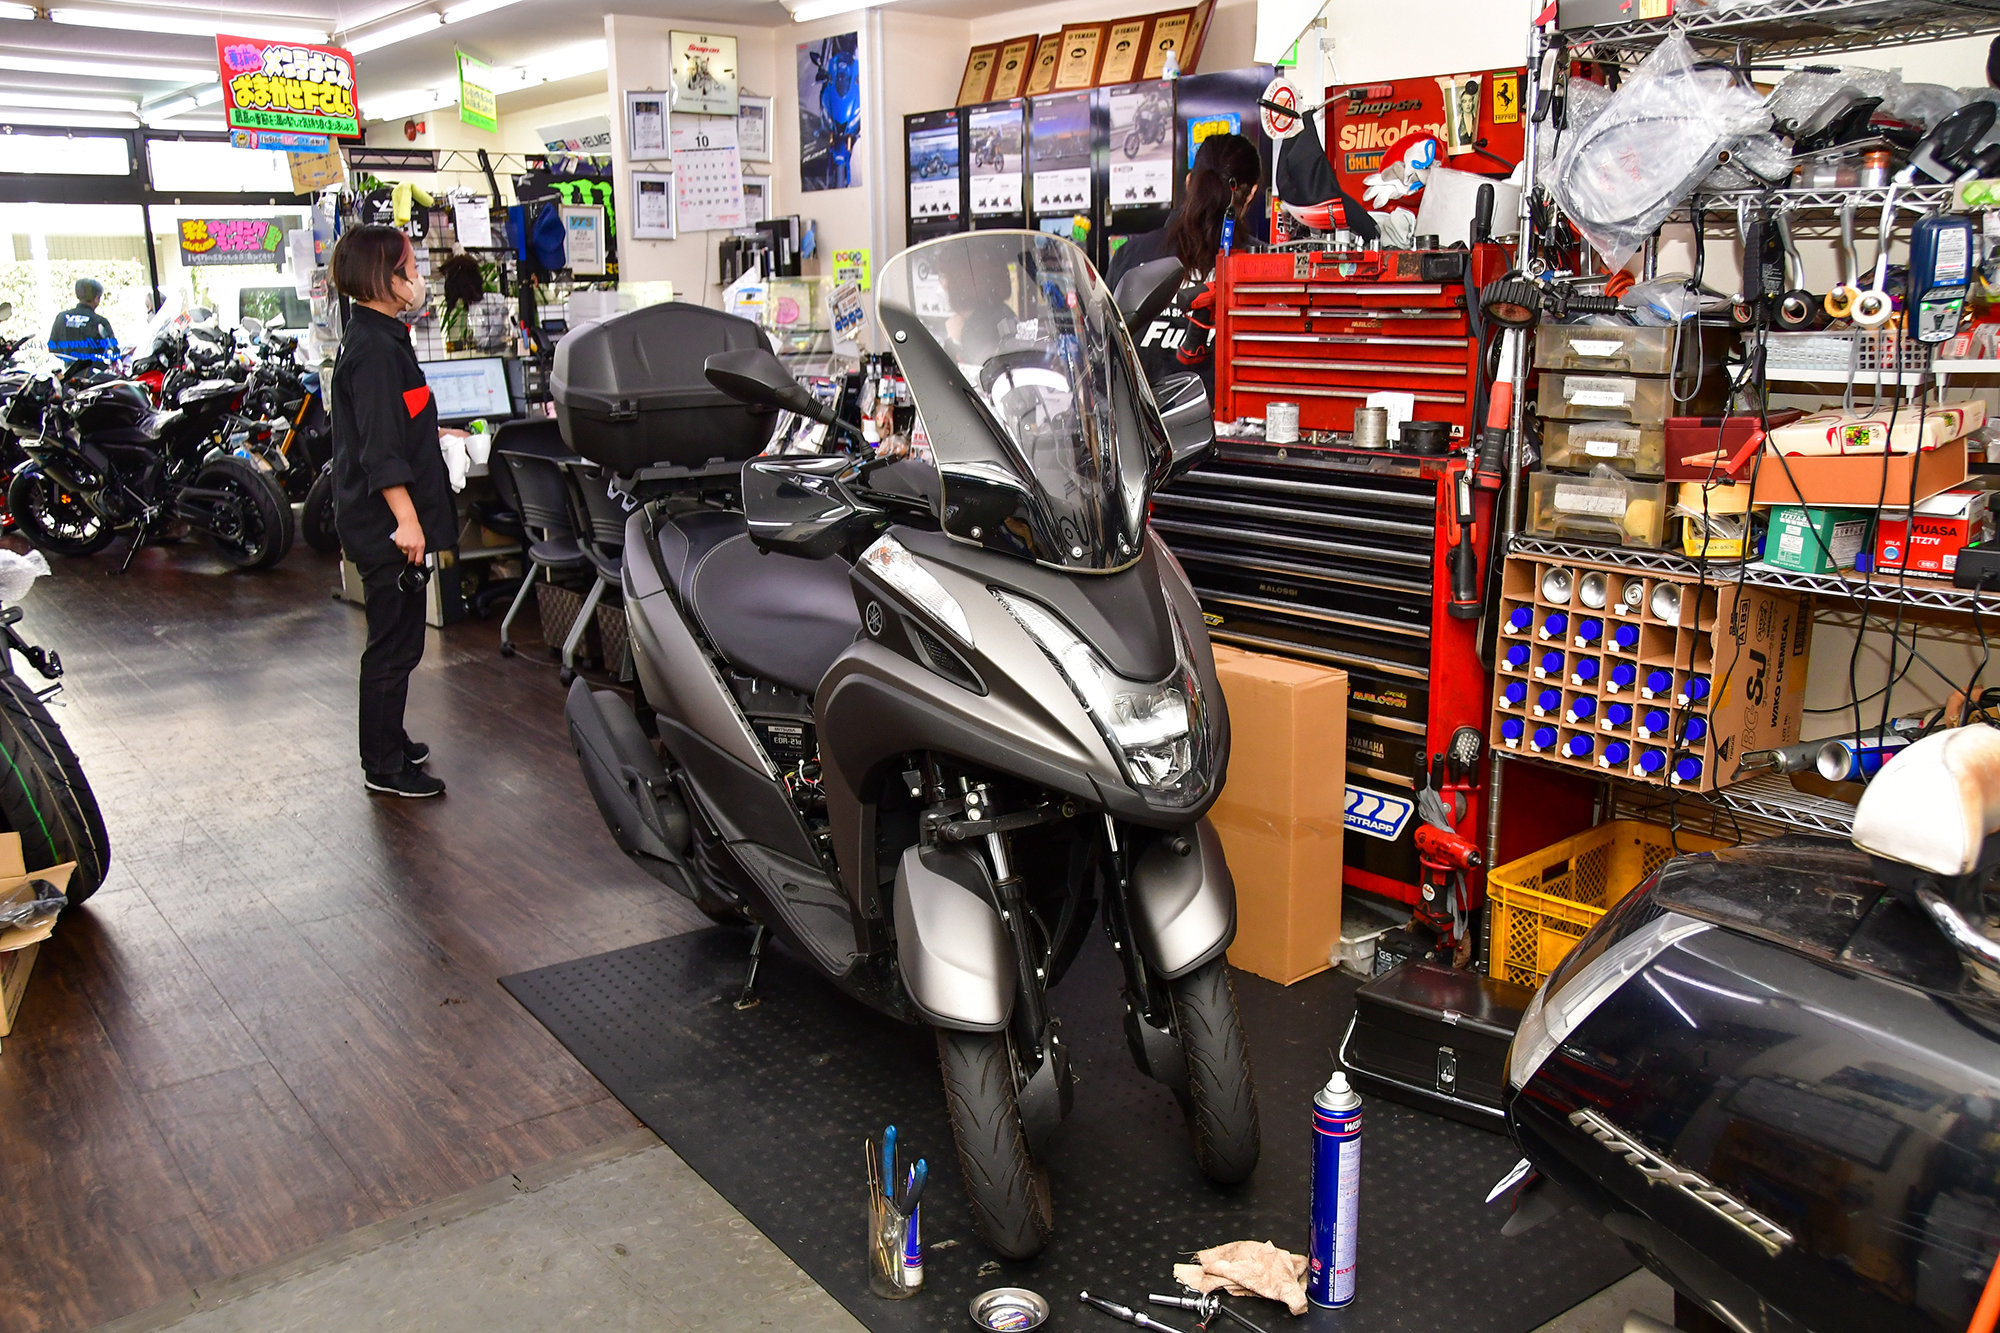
704	74
997	135
1142	145
934	172
1060	154
829	112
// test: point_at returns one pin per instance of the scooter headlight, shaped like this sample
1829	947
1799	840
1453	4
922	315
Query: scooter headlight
1155	729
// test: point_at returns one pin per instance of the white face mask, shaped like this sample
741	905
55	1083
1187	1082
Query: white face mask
419	291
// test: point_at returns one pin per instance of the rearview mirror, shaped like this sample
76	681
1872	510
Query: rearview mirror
1183	401
756	376
1147	290
6	311
253	325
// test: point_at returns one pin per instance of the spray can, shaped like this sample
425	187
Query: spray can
1336	1193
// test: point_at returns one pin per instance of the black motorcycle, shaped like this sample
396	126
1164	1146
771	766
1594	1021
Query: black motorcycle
932	742
102	461
1773	1071
1149	127
44	795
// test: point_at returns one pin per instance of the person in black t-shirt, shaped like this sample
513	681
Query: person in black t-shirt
392	499
80	333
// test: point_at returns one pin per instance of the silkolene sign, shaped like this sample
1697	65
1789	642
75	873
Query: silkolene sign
287	86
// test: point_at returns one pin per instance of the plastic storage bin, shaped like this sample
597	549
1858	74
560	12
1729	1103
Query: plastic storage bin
1578	446
1545	902
1634	351
1601	507
630	392
1642	400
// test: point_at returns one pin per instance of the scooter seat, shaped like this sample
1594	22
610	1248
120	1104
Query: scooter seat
781	618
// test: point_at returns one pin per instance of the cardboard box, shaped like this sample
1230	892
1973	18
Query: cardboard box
1714	519
1871	432
1282	815
1759	647
1945	525
1815	540
20	944
1857	479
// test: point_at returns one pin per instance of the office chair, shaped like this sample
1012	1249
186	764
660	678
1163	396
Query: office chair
532	453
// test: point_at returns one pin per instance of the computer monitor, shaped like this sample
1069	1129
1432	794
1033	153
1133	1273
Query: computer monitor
474	387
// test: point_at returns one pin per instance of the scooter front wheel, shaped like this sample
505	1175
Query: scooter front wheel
1221	1100
1009	1189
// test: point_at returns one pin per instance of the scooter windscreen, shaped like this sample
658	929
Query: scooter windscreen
1047	440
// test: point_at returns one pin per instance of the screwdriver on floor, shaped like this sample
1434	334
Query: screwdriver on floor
1125	1312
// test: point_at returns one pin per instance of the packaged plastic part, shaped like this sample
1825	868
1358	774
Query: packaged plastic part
1602	507
1619	177
19	572
48	900
1579	446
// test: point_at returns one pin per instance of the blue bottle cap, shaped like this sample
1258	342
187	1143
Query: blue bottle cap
1696	730
1589	630
1554	625
1579	747
1552	663
1521	619
1616	753
1517	656
1626	637
1544	737
1623	675
1659	681
1514	695
1654	721
1687	770
1511	728
1549	700
1581	708
1695	690
1618	714
1586	669
1652	761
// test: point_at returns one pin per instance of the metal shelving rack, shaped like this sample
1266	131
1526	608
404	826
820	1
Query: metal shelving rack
1761	31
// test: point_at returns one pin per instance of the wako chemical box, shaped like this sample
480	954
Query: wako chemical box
1943	525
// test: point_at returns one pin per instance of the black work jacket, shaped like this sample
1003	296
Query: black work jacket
385	433
81	334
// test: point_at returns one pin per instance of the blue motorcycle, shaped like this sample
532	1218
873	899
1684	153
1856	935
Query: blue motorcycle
839	80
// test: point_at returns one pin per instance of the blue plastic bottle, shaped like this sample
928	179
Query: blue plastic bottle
1581	709
1588	631
1543	738
1687	769
1517	657
1548	701
1658	684
1617	715
1513	694
1511	731
1694	691
1578	747
1554	625
1583	671
1336	1193
1519	620
1697	728
1623	676
1551	664
1625	638
1654	722
1651	763
1615	754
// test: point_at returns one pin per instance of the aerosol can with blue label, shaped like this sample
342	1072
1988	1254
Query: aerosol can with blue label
1336	1193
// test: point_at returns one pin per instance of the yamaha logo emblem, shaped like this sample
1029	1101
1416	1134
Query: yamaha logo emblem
873	617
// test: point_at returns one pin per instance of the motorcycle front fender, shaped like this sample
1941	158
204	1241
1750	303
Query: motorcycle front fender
1182	900
956	958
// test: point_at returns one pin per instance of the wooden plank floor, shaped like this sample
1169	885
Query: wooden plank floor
278	1020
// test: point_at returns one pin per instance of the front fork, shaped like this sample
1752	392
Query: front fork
1149	1018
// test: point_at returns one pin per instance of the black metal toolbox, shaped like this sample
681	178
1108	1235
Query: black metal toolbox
1435	1038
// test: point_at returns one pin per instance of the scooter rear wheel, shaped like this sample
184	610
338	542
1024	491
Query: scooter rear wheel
1221	1100
1008	1188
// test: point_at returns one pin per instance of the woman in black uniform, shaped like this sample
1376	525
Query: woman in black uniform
391	496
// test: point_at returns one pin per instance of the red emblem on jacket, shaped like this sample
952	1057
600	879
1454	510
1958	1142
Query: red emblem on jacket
417	399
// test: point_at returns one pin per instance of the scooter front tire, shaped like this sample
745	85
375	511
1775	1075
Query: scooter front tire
1220	1103
1008	1188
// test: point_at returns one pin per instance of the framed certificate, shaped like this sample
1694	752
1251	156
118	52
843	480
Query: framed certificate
652	206
978	76
1010	72
1123	46
1082	49
753	127
1169	36
1042	78
1196	35
646	127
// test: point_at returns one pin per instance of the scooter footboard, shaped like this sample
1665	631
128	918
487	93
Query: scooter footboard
956	957
625	776
1183	900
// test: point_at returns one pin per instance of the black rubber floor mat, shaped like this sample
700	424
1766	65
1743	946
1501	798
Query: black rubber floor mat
771	1104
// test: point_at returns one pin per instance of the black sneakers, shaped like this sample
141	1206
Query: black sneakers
416	753
410	783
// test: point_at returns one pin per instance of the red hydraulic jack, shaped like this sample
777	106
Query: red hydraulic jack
1445	857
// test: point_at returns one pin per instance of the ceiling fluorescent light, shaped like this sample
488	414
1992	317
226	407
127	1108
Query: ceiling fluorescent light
470	9
809	10
209	96
17	11
167	110
282	29
78	120
66	101
110	67
395	32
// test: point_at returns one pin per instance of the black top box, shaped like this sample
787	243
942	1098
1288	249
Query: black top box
630	393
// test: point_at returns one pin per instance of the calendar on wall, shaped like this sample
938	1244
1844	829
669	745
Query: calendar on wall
708	173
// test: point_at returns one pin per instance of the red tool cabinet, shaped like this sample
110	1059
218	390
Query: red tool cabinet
1326	328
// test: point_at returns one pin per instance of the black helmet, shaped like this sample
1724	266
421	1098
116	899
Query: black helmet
89	291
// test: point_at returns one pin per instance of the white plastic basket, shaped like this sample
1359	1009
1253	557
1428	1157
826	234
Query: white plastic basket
1863	351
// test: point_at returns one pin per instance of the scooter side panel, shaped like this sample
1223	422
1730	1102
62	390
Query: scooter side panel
956	958
1794	1142
1183	902
680	681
